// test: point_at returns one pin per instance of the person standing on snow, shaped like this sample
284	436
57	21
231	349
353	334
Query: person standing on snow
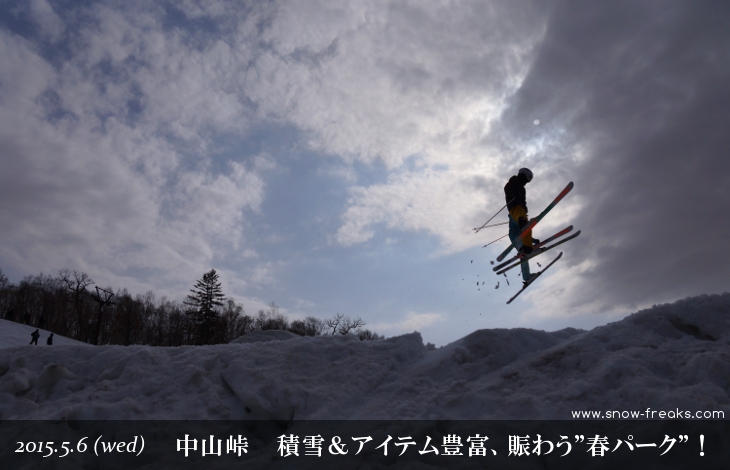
516	198
49	341
35	335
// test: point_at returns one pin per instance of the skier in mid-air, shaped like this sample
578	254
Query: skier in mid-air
516	198
520	230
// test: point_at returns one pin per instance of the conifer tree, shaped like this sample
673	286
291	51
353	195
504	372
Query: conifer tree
205	298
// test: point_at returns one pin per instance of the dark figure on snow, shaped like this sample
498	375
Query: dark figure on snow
516	198
35	335
49	341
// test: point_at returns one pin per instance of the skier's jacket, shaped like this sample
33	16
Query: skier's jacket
516	198
514	193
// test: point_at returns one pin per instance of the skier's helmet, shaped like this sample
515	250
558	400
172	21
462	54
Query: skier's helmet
526	172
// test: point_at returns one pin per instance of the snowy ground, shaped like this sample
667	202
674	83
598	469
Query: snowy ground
16	334
669	357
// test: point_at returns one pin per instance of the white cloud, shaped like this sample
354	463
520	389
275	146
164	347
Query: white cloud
112	145
212	206
430	201
48	22
413	321
392	81
91	187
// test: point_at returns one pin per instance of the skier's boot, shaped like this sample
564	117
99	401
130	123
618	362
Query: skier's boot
528	251
531	278
525	251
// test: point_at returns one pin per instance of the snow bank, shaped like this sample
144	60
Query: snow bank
268	335
663	358
15	334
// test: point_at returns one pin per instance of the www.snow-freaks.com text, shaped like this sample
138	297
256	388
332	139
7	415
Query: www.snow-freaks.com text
648	414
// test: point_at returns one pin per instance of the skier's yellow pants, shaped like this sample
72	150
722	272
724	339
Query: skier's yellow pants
516	213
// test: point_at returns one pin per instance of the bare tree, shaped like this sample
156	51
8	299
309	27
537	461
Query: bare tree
103	297
271	319
350	324
128	325
77	282
342	324
234	322
334	322
178	323
298	328
310	326
5	295
367	335
315	326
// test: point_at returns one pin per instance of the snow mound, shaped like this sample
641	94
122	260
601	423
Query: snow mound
268	335
668	357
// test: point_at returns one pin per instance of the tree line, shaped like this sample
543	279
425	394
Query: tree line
67	305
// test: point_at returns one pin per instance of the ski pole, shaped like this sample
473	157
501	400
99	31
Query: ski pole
495	240
476	230
494	225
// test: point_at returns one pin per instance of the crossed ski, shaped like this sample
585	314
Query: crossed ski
534	221
538	274
538	245
536	253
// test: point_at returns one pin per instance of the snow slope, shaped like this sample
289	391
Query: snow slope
16	334
667	357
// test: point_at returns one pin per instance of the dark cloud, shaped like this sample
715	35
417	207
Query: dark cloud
642	89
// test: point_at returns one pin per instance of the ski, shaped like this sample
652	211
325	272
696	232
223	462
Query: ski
532	255
539	245
534	221
535	277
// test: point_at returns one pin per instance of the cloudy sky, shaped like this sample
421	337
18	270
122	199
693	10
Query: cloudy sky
333	157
